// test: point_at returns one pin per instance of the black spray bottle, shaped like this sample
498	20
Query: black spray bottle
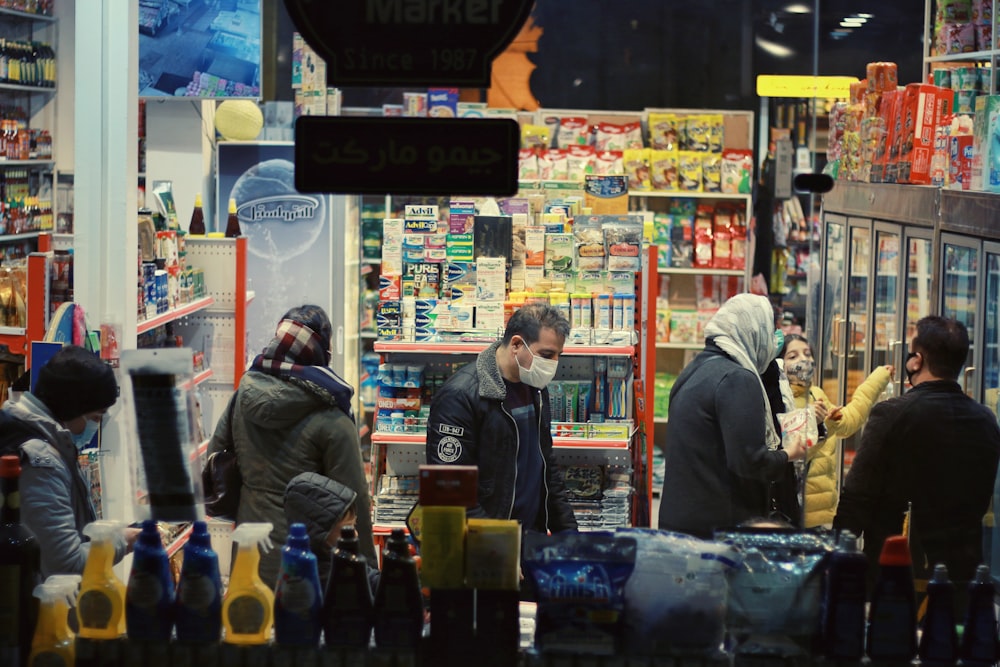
939	640
844	601
979	640
892	617
347	608
399	603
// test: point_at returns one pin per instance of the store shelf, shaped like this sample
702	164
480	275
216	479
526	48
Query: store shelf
680	346
679	194
175	314
369	335
971	56
701	272
389	347
201	449
8	14
12	238
381	437
27	89
387	528
198	379
11	164
179	541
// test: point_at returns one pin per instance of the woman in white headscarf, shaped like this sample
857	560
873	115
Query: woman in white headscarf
721	449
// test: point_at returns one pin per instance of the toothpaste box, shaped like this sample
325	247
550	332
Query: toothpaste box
392	246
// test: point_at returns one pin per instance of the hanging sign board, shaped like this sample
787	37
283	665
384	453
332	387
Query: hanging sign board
409	42
822	87
427	156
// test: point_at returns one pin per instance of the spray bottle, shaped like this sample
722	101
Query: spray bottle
844	601
101	607
248	607
979	640
347	611
54	641
892	615
298	599
199	591
149	595
399	603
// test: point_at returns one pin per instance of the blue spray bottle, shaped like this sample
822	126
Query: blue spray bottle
199	591
298	599
939	640
979	640
149	594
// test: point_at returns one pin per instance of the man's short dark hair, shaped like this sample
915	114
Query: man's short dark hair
528	321
944	345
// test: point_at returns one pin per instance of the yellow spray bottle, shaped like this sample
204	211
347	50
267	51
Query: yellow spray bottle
53	645
248	606
101	607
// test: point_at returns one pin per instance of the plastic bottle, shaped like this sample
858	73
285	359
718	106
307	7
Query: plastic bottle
101	607
233	221
199	591
298	599
939	641
979	640
20	564
248	607
892	618
844	601
54	643
149	594
197	226
347	610
399	603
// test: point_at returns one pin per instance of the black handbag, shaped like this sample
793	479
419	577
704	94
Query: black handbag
221	478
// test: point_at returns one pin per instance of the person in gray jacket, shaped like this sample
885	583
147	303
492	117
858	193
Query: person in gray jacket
292	414
47	427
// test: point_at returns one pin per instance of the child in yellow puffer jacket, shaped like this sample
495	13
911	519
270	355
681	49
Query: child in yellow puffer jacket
840	422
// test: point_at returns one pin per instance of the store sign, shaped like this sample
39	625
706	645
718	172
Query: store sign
431	156
409	42
822	87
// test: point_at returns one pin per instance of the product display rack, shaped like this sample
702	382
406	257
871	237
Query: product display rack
18	340
990	57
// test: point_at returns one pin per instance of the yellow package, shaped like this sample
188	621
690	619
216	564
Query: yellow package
663	165
690	171
535	136
636	163
711	172
663	133
716	128
697	133
492	554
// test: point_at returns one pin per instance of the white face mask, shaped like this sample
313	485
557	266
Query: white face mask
83	438
541	372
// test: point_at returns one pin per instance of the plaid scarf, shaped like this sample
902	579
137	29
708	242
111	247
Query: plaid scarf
297	355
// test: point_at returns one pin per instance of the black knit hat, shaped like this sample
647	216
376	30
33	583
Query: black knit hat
74	382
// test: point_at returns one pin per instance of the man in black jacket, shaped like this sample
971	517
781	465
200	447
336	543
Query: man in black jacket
495	414
933	449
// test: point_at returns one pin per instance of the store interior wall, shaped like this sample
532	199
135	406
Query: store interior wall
63	148
180	148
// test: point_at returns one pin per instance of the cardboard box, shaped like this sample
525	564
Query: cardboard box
960	162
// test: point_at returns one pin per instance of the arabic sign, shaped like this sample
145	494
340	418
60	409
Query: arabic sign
369	155
822	87
409	42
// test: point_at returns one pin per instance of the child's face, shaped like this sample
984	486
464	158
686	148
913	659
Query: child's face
799	363
350	516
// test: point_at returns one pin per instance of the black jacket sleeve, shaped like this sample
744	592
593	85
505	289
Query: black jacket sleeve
451	430
860	496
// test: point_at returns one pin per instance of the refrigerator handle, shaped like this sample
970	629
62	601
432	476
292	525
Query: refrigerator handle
837	337
894	359
969	370
852	346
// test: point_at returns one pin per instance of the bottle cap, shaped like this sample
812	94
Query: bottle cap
895	551
982	574
197	200
940	574
10	466
847	541
232	205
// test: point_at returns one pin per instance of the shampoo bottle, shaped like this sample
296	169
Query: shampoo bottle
199	591
844	601
347	609
892	617
101	607
399	603
979	640
298	599
939	641
248	607
149	595
54	641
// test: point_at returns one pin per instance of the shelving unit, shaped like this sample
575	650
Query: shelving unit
984	57
18	340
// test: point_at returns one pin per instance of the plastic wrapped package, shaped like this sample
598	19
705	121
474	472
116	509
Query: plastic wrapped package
675	600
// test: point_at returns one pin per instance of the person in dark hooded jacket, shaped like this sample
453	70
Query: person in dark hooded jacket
324	506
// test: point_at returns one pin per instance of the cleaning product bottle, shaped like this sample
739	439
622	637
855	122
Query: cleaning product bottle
399	603
54	641
844	601
149	594
20	568
979	640
939	641
101	607
892	617
199	590
347	609
298	600
248	607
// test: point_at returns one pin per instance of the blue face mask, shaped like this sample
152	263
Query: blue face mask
83	438
779	339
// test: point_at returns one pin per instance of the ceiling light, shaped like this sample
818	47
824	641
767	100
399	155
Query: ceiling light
861	19
847	23
775	49
865	16
798	8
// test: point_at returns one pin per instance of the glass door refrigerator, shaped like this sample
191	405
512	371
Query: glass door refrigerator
961	282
